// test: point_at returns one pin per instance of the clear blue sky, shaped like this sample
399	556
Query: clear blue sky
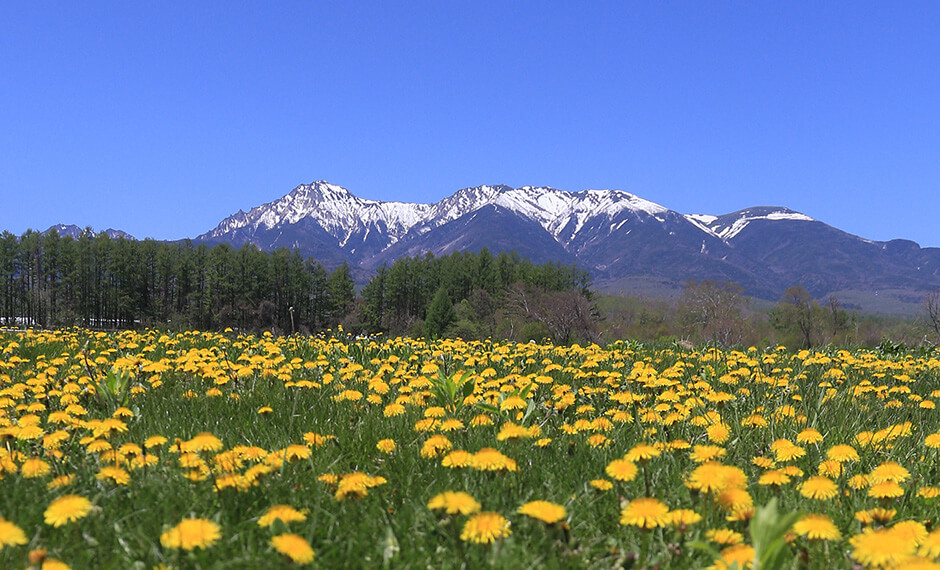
162	118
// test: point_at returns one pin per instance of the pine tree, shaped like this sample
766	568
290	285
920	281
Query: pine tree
341	292
440	314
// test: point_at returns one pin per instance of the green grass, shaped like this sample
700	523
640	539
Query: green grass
392	525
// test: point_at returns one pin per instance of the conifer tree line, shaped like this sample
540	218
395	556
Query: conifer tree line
95	281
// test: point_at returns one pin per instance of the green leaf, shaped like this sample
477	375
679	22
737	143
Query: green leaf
768	530
466	388
390	546
524	393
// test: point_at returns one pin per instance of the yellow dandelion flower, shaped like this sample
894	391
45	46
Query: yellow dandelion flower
598	440
489	459
933	440
454	502
316	440
713	477
928	492
55	439
678	445
739	556
294	547
512	431
754	421
622	470
842	453
35	467
911	532
601	484
724	536
773	477
451	424
547	512
809	436
435	445
427	424
830	468
204	441
61	481
36	556
718	432
329	478
879	548
703	453
29	432
789	452
356	485
889	471
819	488
763	462
154	441
296	452
65	509
512	403
115	474
285	513
734	499
879	514
930	545
54	564
859	481
191	533
645	513
684	517
817	527
484	528
481	420
98	446
885	490
641	452
10	534
457	459
386	445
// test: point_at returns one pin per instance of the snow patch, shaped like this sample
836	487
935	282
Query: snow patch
342	214
701	218
736	227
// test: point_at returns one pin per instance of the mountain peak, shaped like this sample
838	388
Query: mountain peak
614	233
727	226
76	232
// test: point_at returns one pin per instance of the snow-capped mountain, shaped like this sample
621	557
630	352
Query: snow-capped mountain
612	233
729	225
350	219
334	208
75	232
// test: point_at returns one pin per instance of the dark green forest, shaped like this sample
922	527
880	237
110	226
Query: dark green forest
94	281
99	282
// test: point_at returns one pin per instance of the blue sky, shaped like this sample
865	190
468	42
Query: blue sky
162	118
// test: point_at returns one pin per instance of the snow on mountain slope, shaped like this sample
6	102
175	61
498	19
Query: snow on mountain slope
343	214
356	222
553	209
726	227
337	210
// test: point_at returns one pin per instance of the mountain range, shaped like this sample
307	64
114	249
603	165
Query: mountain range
630	245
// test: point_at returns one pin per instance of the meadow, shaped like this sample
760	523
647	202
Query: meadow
222	450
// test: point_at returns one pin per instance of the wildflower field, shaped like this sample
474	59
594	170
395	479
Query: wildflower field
204	450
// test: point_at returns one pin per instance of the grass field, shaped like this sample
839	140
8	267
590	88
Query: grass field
202	450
